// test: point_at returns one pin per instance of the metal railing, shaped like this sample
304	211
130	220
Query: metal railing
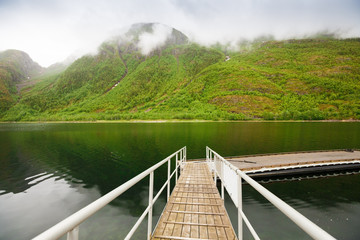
231	179
71	224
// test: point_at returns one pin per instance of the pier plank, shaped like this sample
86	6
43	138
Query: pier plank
195	209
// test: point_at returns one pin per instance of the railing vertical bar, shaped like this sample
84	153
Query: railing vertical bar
222	180
222	191
207	153
240	222
162	188
73	234
215	158
168	177
185	150
176	170
212	161
151	189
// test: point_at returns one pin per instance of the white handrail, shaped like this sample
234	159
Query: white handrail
71	224
308	226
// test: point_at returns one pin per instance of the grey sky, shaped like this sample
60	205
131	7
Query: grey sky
51	30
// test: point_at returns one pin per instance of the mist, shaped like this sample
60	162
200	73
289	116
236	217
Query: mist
148	41
50	31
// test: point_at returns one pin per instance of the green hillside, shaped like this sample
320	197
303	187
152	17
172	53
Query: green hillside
296	79
15	67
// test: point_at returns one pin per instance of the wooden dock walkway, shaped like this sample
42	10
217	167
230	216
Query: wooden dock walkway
195	209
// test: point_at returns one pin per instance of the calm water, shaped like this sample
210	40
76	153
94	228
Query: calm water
49	171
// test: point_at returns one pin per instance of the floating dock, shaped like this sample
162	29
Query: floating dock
195	209
284	164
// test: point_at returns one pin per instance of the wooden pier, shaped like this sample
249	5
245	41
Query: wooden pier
195	209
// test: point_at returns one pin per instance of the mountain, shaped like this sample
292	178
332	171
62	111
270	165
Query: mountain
153	71
15	67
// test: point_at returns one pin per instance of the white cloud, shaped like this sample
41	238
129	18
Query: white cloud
50	31
149	41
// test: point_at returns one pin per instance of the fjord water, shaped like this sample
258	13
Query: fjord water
50	170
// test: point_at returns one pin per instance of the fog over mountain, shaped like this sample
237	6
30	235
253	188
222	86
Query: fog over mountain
50	31
148	41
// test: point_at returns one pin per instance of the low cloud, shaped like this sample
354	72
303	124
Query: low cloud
149	41
52	30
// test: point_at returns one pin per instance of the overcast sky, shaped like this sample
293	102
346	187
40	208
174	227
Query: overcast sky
51	30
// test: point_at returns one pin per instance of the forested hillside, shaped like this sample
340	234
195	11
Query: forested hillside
15	67
295	79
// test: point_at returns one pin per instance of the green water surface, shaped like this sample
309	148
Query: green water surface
49	171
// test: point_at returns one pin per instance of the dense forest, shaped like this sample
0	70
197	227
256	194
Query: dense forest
299	79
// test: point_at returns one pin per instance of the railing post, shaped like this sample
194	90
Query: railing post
207	153
185	152
240	222
222	179
73	234
215	157
176	165
151	189
168	185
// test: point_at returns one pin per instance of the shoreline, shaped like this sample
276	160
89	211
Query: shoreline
183	121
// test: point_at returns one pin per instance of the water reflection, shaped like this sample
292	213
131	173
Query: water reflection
39	205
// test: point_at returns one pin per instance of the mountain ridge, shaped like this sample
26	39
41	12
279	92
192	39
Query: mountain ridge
304	79
15	67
